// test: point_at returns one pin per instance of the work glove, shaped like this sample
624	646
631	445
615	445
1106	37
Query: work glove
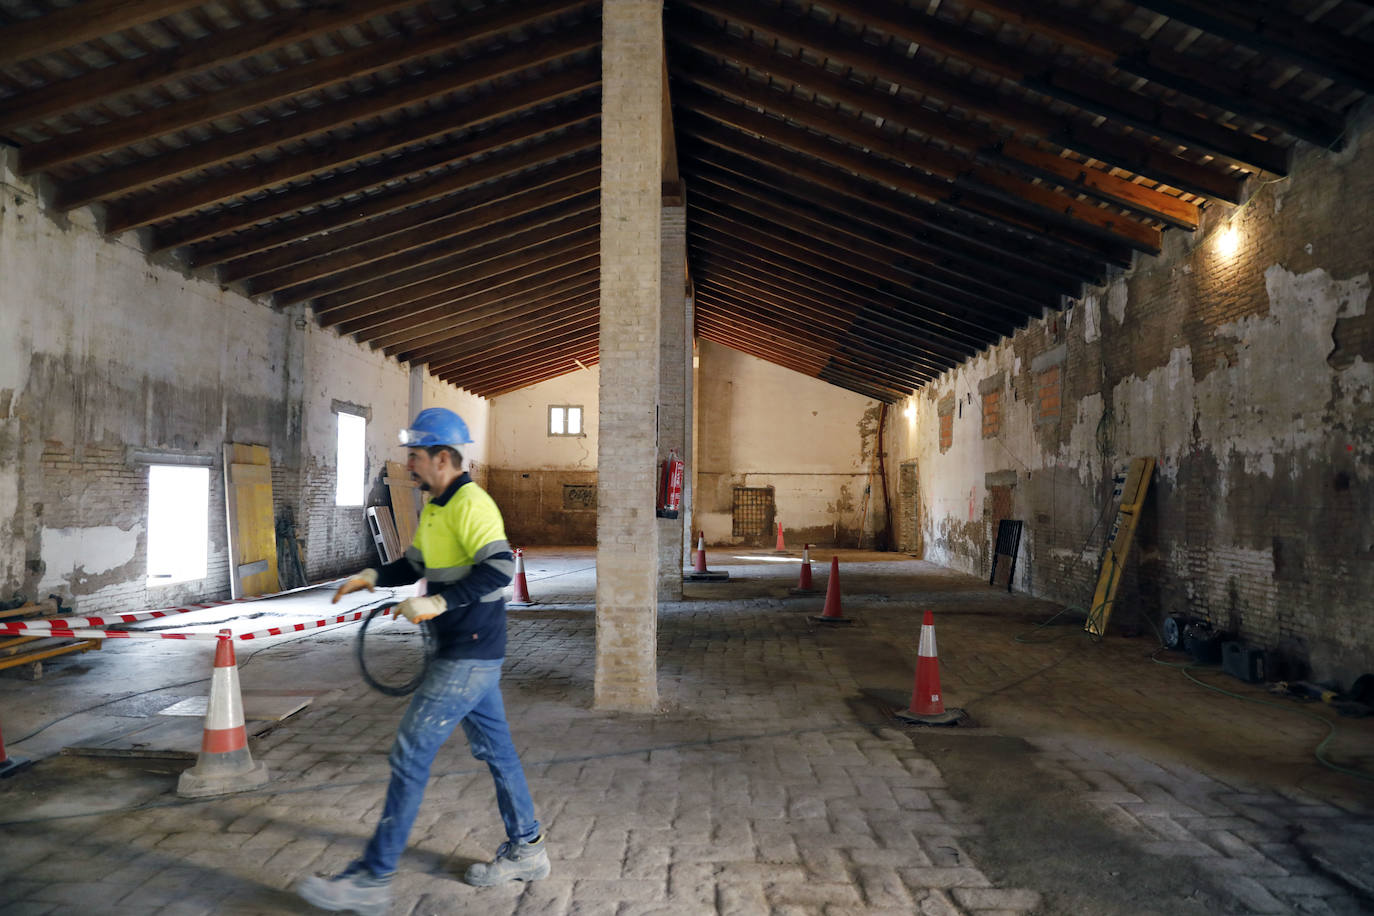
422	608
367	579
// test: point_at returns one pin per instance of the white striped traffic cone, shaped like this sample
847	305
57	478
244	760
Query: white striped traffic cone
521	594
927	704
225	764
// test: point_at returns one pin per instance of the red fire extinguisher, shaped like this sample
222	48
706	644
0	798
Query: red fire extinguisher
669	486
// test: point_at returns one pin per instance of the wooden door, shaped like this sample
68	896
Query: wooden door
252	525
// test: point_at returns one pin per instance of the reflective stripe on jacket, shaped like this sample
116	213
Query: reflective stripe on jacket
460	547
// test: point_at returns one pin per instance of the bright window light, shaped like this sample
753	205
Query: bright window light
565	420
352	466
178	523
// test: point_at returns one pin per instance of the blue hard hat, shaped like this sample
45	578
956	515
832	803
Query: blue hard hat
435	426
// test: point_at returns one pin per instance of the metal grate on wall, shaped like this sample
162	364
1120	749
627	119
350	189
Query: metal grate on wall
752	512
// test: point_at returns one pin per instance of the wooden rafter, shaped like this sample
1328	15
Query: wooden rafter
981	144
389	284
404	309
442	224
405	166
1005	108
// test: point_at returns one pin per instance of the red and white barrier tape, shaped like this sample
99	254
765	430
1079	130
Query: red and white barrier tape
68	623
80	633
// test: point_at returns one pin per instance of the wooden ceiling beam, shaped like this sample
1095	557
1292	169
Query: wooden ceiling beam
272	134
451	278
956	320
835	329
424	201
563	367
209	232
800	250
1016	214
511	303
886	362
979	143
430	226
943	230
549	368
312	76
806	236
1168	122
878	322
1275	31
392	275
257	36
539	322
1012	111
185	197
489	279
80	23
995	194
766	346
875	321
500	362
991	282
1185	74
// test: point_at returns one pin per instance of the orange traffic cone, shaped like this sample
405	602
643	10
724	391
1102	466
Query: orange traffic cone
699	571
225	764
522	587
832	612
927	705
782	548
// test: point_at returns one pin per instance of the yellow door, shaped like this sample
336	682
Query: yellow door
252	526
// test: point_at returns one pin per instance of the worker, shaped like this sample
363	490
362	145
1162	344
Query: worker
460	548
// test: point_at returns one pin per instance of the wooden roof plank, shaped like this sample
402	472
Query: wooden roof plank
150	208
80	23
979	143
387	280
457	225
201	228
260	36
423	202
1003	108
314	75
487	283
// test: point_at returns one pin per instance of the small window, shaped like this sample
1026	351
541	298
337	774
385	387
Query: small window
178	523
352	466
565	420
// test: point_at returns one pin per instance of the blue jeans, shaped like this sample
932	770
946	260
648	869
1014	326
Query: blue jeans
466	690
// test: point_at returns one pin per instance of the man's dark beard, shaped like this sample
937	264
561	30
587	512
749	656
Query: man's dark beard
423	486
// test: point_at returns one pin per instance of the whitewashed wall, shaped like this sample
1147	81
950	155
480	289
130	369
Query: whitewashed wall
105	353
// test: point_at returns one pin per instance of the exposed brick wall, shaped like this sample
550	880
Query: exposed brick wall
1246	375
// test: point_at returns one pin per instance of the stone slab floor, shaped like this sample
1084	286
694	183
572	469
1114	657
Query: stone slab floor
774	779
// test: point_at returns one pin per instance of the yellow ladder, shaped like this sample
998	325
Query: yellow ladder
1119	543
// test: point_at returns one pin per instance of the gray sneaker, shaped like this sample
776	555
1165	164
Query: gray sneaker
513	862
354	890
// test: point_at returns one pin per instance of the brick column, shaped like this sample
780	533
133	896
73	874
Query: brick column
627	456
675	355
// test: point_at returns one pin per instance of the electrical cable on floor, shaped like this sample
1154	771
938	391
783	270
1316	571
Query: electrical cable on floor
391	594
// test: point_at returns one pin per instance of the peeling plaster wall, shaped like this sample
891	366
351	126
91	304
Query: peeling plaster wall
760	425
1245	364
106	353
